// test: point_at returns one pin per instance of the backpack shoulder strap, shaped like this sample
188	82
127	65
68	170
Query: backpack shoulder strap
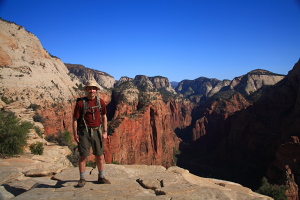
99	104
85	107
83	111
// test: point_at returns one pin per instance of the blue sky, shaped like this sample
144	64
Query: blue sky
177	39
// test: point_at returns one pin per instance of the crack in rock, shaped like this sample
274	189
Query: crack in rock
155	189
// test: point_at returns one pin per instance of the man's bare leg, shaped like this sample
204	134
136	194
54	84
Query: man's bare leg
81	165
100	164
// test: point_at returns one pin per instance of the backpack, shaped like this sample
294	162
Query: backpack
81	121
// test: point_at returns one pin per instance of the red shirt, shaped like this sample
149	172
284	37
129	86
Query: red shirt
89	112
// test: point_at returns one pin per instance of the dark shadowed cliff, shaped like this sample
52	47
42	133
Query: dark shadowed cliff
244	138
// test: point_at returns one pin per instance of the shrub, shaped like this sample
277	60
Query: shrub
80	87
176	153
38	118
6	100
91	164
38	131
37	148
115	162
13	134
34	106
62	138
274	191
51	138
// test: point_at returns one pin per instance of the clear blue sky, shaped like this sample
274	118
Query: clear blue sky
177	39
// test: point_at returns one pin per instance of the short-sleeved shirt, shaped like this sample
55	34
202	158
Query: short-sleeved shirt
89	112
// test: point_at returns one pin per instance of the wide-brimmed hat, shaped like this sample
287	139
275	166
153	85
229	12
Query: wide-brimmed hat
92	83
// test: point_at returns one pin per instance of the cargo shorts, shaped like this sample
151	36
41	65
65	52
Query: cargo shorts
91	137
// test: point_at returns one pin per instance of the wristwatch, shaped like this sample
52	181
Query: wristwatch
105	131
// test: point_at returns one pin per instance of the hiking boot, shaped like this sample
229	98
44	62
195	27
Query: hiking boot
81	183
103	181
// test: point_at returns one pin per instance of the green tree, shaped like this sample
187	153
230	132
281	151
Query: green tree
13	134
274	191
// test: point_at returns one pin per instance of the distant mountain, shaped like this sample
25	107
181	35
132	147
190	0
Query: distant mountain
149	84
201	88
174	84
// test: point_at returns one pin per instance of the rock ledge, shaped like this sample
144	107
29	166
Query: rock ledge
134	182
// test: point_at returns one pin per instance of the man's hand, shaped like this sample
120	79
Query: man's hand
104	135
76	138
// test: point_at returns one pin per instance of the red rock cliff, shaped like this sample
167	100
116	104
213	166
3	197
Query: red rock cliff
147	136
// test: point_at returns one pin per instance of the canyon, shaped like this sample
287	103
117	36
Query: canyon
245	127
244	138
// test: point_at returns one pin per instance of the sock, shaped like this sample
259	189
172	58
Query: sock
101	174
82	175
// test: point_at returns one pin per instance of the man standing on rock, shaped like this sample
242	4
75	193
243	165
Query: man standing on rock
90	129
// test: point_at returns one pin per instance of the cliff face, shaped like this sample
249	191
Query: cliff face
211	118
233	136
267	133
254	80
29	75
144	123
84	74
147	138
149	84
162	83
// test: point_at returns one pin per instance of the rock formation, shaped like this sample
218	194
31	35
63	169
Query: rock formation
29	75
160	82
211	118
260	138
143	125
84	74
149	84
254	80
266	134
127	182
200	88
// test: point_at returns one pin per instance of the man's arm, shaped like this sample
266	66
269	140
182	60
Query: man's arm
104	125
75	134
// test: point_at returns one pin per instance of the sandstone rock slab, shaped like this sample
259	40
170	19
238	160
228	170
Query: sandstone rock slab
139	182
